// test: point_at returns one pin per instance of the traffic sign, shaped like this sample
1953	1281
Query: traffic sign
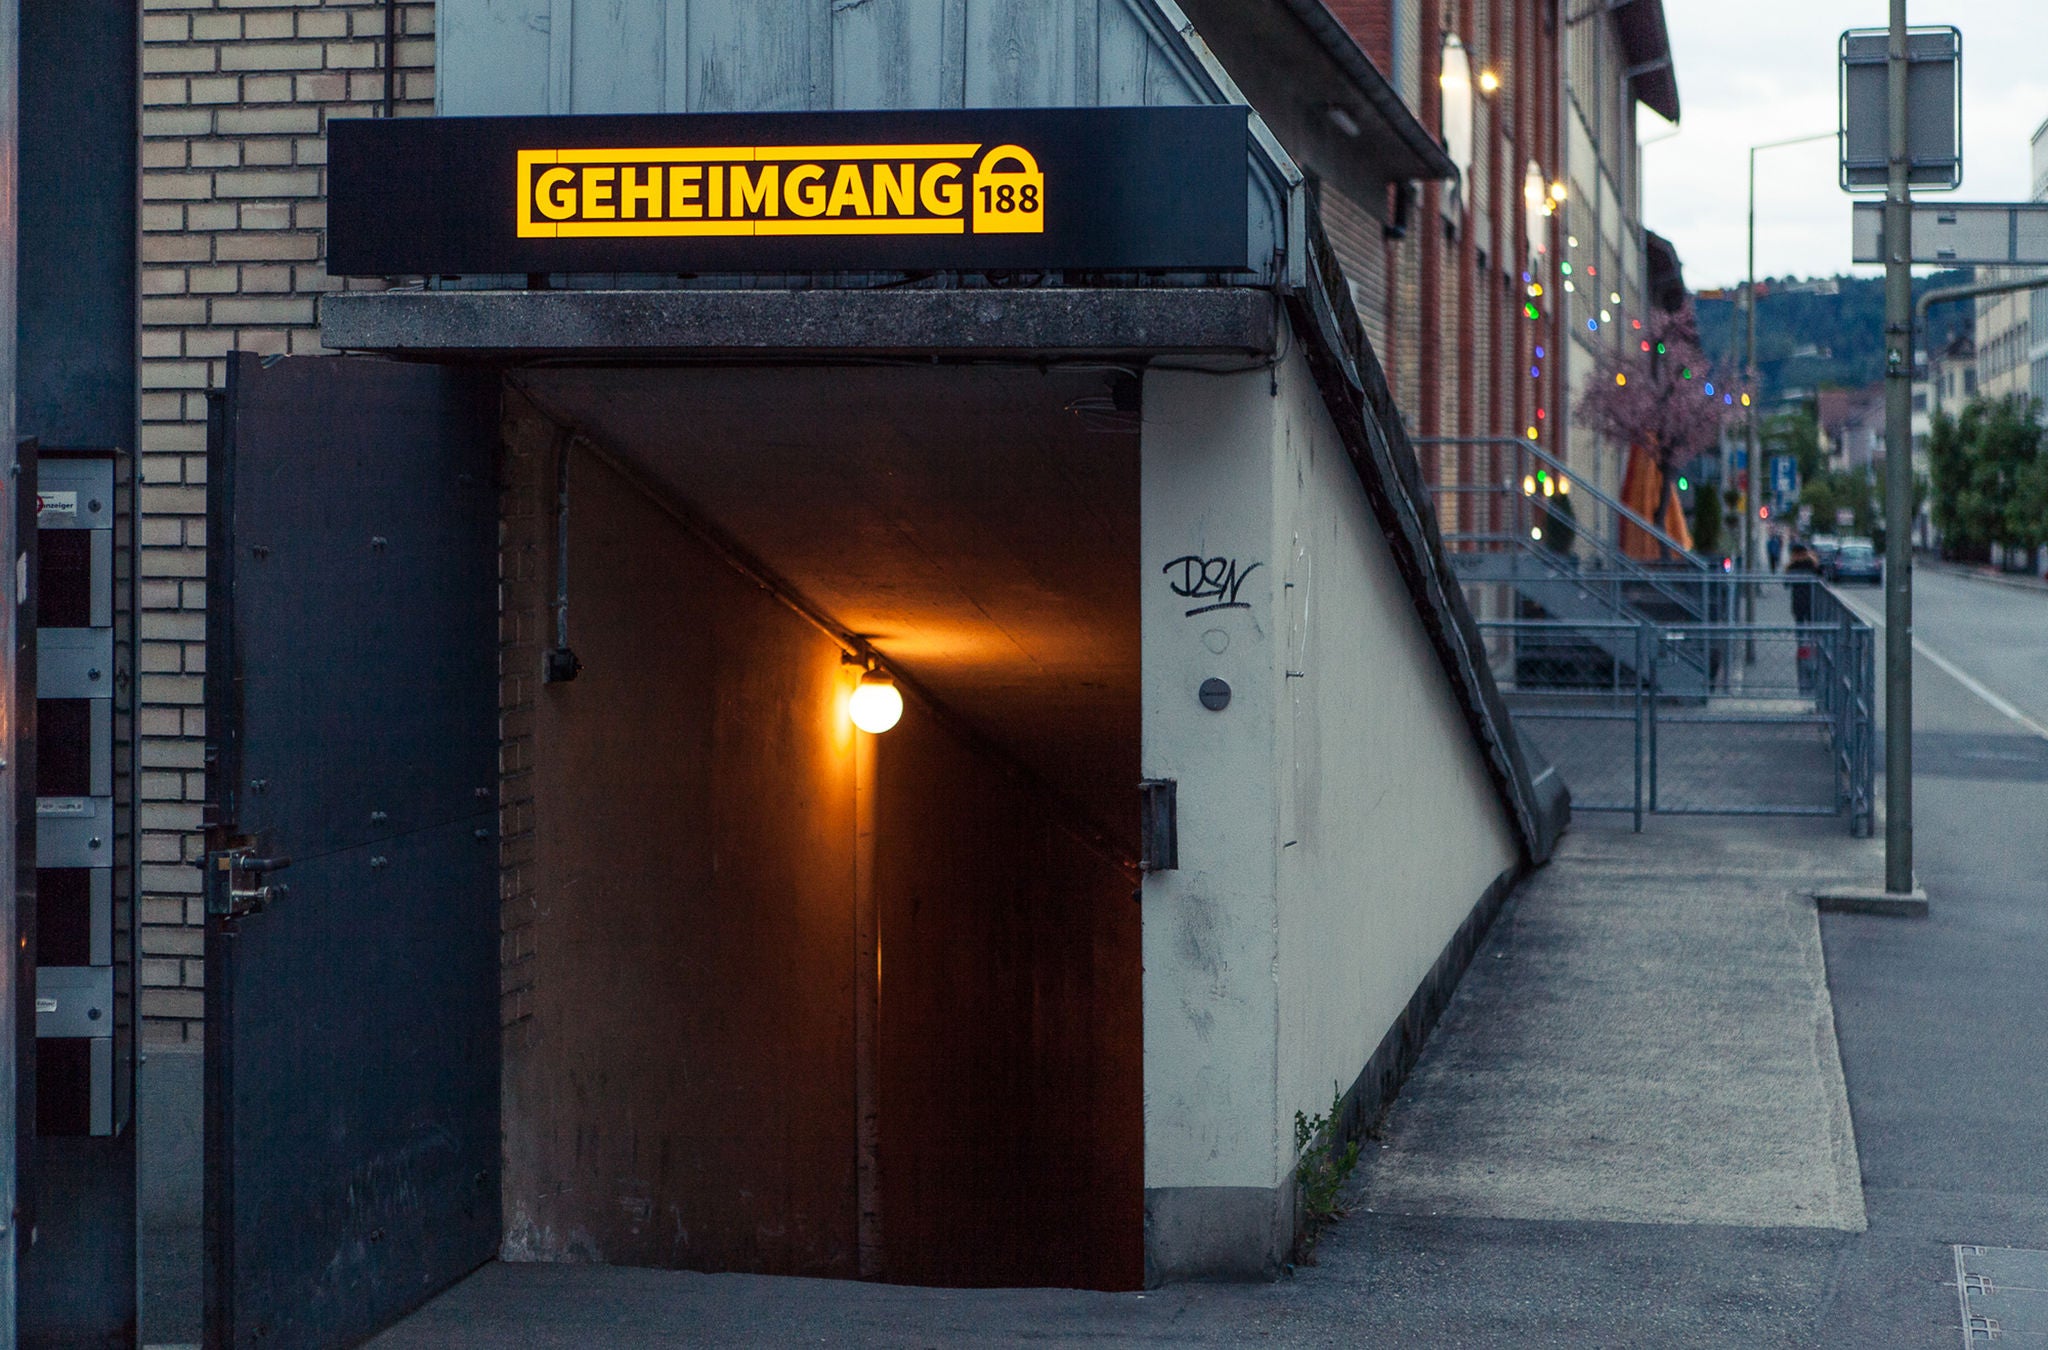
1934	108
1784	477
1974	234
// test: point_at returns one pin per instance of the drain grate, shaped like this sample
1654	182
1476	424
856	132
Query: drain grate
2003	1292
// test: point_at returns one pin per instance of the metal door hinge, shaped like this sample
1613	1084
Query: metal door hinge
235	888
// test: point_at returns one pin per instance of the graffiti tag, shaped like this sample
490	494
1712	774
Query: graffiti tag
1217	580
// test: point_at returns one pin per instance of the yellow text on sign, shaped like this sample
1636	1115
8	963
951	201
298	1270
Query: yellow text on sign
779	190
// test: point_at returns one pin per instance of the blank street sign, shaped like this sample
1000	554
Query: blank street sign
1934	110
1976	234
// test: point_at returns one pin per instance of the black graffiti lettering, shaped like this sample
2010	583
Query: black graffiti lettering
1213	579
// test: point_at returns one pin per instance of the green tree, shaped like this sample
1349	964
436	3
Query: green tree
1835	490
1795	432
1706	523
1990	484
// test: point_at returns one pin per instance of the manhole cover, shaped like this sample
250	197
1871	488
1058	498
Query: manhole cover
2004	1295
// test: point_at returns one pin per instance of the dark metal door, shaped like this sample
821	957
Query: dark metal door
352	1148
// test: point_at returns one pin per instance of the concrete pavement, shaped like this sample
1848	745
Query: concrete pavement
1629	1131
1647	1039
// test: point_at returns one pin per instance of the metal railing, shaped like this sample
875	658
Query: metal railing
1783	725
1504	497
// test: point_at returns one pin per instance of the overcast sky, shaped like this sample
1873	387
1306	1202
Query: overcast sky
1751	71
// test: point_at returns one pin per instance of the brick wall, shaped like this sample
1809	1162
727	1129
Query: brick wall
236	96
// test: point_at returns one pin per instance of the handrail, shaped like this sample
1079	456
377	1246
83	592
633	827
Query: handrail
1551	461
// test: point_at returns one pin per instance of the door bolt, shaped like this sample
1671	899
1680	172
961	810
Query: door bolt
261	551
378	541
482	833
259	785
378	817
380	861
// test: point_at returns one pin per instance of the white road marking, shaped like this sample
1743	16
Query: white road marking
1954	672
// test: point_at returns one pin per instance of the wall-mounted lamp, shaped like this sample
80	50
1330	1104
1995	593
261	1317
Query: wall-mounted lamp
877	704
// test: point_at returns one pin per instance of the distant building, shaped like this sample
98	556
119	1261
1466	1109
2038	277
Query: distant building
1852	425
2012	330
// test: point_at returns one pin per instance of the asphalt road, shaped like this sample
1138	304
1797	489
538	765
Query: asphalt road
1943	1024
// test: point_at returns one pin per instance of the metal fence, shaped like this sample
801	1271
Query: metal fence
1703	718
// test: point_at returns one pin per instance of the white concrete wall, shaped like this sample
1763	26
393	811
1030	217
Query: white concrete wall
1211	1001
1391	829
1337	824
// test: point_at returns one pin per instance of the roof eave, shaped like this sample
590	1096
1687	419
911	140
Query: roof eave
1646	47
1343	48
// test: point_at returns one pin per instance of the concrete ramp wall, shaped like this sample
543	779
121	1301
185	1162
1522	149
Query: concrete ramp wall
1338	830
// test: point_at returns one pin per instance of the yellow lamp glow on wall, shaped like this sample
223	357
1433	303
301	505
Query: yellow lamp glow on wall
877	704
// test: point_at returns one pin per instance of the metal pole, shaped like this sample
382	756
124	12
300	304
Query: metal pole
1898	474
1749	488
1751	493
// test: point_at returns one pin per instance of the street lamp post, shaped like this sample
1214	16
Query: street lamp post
1749	365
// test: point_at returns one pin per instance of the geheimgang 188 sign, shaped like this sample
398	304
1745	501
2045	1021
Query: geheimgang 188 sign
1106	189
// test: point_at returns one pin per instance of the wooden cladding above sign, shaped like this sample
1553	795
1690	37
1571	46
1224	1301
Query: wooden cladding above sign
1116	189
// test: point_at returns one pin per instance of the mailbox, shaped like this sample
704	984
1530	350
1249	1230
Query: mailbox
84	981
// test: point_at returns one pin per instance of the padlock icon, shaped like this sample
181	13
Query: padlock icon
1009	201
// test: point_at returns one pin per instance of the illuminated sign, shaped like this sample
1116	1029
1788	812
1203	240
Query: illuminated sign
1153	189
780	190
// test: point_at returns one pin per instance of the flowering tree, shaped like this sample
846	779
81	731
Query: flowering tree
1658	395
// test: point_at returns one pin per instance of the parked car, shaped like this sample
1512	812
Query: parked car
1856	560
1825	546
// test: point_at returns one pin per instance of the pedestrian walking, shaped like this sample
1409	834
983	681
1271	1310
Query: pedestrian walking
1802	574
1774	547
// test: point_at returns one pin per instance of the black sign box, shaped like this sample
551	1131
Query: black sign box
1094	189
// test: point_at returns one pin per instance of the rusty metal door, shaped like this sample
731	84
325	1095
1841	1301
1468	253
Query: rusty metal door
352	1147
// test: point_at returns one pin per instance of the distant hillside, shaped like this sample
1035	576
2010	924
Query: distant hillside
1818	331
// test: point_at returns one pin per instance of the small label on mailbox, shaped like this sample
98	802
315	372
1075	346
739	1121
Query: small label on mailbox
56	508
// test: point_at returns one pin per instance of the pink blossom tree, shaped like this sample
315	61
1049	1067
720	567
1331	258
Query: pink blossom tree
1658	395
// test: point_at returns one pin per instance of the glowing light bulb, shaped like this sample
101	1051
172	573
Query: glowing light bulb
1745	400
1621	379
1489	83
1557	192
1564	487
1549	488
1532	433
877	704
1606	316
1529	484
1536	533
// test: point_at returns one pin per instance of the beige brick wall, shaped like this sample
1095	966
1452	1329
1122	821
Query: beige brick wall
236	96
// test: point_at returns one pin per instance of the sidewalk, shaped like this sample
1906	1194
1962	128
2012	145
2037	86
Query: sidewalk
2019	581
1630	1130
